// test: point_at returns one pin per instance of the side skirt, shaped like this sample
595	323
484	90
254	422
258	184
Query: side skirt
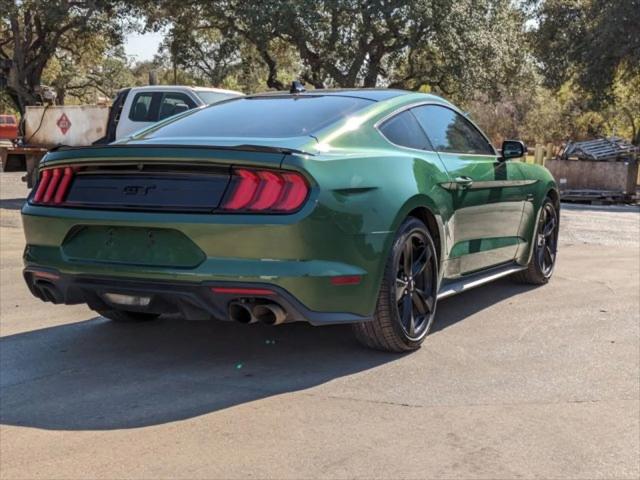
467	282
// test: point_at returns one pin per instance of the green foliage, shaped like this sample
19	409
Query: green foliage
594	42
453	46
540	70
91	72
33	32
6	104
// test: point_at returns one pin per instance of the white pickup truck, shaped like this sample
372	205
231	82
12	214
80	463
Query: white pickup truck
138	107
133	109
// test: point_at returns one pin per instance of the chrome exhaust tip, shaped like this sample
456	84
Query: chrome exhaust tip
240	312
270	313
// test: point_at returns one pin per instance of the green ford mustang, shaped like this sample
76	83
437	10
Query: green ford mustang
337	206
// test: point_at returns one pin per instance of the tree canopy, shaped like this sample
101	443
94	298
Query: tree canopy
33	32
538	69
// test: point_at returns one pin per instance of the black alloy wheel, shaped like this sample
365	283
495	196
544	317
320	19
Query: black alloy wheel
547	240
415	285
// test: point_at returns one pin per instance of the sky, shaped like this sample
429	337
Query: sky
142	47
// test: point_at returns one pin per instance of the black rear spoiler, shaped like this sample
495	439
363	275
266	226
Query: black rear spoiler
243	147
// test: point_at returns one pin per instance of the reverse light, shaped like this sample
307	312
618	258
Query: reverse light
53	185
242	291
266	191
131	300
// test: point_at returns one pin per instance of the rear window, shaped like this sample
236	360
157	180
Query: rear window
141	108
7	120
212	97
263	117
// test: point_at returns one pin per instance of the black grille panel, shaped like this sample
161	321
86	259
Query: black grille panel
171	191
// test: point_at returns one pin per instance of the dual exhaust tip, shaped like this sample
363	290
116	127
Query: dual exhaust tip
267	313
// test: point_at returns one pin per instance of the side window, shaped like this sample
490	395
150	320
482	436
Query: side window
170	102
450	131
141	108
403	129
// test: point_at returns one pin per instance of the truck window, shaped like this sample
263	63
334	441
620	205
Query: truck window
141	108
170	101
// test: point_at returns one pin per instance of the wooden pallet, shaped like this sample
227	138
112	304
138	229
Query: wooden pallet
603	149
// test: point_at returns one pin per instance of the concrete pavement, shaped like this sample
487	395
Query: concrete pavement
513	382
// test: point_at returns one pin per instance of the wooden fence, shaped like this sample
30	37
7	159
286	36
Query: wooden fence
540	153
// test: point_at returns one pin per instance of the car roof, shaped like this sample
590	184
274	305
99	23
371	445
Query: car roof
217	90
182	87
375	94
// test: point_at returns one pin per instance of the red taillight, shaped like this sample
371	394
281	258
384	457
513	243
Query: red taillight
53	185
295	193
42	186
245	190
266	191
271	186
64	185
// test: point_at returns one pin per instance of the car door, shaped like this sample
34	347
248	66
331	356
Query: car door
486	193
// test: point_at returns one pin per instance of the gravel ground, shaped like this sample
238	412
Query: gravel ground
515	382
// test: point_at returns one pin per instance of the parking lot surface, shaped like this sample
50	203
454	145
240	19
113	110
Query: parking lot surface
514	381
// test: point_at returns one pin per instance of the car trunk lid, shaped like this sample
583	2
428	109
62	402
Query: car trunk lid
144	177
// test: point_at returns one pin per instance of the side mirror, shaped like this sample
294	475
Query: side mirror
513	149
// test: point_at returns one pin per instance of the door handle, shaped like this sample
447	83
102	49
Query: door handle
463	182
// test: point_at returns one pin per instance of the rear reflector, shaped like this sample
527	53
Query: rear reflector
242	291
53	185
266	191
346	280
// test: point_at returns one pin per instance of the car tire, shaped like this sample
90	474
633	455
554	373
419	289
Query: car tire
545	248
391	329
124	316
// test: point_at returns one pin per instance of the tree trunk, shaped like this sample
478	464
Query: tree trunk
272	66
635	131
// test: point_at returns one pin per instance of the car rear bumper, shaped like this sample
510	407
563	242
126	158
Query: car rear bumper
301	253
193	300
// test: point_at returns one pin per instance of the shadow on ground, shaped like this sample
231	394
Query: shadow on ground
580	207
98	375
12	203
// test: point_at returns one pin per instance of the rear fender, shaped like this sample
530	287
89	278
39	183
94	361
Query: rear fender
422	202
525	254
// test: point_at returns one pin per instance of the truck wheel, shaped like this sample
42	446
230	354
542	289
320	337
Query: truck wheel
407	299
127	316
